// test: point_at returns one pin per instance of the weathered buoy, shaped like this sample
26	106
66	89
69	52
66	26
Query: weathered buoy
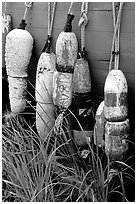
81	78
44	90
82	95
115	96
45	118
116	135
82	103
66	54
99	127
18	50
17	93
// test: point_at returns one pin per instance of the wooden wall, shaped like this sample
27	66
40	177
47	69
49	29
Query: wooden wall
99	32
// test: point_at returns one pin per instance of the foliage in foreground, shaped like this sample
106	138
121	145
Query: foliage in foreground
54	170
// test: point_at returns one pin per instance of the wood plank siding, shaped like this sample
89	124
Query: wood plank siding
99	32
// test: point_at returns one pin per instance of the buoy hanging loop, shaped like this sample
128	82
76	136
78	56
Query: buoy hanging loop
83	23
23	23
116	27
117	39
50	27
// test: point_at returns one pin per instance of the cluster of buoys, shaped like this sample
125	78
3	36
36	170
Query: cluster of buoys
63	81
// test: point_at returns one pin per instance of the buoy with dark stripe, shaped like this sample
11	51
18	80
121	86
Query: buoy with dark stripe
66	54
115	96
82	95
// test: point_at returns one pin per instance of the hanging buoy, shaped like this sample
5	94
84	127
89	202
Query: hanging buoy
18	50
81	78
116	135
115	96
99	128
117	126
66	54
45	118
82	96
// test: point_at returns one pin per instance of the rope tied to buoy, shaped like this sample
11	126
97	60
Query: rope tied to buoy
83	23
70	8
116	35
28	5
23	22
51	16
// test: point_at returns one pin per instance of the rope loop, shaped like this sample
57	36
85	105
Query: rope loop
83	22
116	35
28	5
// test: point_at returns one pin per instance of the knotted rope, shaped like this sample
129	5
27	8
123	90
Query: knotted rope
114	41
83	22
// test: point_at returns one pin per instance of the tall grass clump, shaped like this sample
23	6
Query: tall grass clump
56	169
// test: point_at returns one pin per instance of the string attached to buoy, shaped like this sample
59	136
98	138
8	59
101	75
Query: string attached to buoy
51	16
116	28
83	23
23	23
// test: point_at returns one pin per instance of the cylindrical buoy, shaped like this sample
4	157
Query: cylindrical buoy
99	127
81	78
82	103
116	134
18	50
44	90
115	96
66	53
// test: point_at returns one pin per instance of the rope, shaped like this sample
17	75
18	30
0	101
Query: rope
115	33
70	8
5	7
83	22
28	5
51	17
117	46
